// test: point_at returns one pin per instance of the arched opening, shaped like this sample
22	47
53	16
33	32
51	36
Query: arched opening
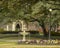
18	27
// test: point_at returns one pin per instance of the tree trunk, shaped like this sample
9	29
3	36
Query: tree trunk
44	29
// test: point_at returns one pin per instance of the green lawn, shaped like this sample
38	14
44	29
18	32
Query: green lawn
13	45
16	36
5	42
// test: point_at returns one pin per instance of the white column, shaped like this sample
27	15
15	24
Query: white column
22	25
7	28
24	36
13	26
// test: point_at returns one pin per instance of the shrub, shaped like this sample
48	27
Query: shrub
55	33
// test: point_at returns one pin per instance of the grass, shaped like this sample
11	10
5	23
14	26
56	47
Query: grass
14	45
6	44
16	37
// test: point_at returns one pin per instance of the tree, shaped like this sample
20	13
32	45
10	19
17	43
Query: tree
41	14
30	10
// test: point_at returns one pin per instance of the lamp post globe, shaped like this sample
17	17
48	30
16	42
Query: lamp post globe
50	10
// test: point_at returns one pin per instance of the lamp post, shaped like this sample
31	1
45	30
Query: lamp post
50	10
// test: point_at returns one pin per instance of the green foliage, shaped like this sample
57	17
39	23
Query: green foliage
55	33
30	10
1	30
